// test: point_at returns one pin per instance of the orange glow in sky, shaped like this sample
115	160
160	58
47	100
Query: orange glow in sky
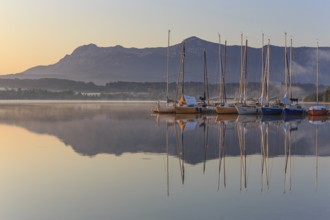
37	32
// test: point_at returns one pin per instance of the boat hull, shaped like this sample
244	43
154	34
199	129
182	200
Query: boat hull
164	109
271	110
316	112
187	110
247	110
209	110
289	111
226	110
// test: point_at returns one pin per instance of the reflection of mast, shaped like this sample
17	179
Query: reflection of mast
205	145
222	153
317	121
264	155
316	154
180	148
287	153
242	144
167	162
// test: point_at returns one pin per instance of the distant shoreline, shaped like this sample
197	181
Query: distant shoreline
64	101
33	101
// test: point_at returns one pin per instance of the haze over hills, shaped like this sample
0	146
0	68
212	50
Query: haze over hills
90	63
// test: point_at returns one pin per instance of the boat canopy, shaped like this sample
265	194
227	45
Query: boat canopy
285	100
317	107
188	100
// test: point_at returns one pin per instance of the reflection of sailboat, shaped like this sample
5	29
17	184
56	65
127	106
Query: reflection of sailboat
247	119
273	118
317	121
226	117
288	127
184	125
222	153
264	153
180	150
287	117
205	140
241	133
168	107
167	162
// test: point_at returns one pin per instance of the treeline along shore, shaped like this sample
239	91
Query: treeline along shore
61	89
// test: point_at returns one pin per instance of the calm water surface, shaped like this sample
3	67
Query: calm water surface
116	161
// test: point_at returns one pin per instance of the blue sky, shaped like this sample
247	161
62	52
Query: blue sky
40	32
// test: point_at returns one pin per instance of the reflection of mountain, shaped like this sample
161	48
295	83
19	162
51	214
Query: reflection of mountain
92	129
89	128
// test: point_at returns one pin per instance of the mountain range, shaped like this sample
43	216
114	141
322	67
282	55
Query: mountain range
101	65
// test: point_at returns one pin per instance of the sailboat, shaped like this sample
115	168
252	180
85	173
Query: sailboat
317	110
269	109
224	107
206	107
186	104
290	108
243	108
168	107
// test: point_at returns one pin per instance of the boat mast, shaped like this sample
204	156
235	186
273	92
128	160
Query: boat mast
241	74
206	87
262	70
317	73
182	60
224	75
267	73
286	67
167	63
245	71
220	69
290	74
181	71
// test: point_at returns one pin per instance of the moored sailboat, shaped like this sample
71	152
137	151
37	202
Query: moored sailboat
269	109
186	104
224	107
317	110
168	107
206	107
243	108
291	106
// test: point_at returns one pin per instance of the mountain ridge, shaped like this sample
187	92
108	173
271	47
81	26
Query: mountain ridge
100	65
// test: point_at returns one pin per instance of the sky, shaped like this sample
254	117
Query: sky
41	32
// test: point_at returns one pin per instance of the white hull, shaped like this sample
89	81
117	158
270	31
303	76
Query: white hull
164	109
247	110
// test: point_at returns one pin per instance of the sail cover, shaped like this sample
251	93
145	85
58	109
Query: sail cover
190	100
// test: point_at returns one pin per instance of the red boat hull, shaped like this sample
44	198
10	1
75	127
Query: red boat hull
317	112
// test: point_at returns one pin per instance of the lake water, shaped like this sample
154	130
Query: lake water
117	161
